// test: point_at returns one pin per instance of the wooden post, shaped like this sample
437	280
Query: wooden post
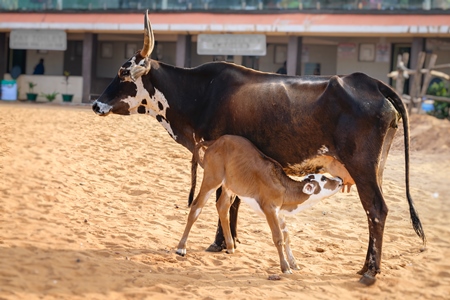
400	81
414	91
427	78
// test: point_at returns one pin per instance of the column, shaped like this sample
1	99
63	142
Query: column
183	58
294	56
89	44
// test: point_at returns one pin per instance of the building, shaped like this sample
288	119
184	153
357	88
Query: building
92	39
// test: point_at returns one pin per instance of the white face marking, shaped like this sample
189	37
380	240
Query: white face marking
315	198
155	106
324	192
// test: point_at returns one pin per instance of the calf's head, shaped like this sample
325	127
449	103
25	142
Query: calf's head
320	186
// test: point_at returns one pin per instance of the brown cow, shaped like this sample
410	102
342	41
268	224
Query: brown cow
343	125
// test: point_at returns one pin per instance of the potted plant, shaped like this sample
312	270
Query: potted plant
50	97
67	97
31	95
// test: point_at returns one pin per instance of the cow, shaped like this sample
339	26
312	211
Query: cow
343	125
235	164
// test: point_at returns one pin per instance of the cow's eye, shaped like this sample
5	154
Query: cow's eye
323	178
125	73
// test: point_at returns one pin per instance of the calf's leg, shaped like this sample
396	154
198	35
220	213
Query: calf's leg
195	211
223	208
287	244
219	241
277	237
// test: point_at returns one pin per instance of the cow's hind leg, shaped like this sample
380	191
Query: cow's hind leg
375	207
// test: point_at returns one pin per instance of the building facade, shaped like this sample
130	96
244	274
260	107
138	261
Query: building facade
92	39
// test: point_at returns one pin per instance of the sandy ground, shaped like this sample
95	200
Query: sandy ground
93	208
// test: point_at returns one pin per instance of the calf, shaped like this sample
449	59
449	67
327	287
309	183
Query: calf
234	163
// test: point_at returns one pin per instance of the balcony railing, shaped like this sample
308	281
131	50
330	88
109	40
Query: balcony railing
223	5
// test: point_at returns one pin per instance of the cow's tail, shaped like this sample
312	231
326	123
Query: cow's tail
395	99
196	159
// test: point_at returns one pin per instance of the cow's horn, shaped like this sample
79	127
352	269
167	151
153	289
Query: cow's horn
149	39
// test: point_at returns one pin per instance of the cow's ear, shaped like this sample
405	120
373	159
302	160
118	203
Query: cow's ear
309	188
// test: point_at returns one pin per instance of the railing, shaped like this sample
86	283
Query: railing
223	5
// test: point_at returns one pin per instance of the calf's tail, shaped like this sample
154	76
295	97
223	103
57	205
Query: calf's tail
194	163
395	99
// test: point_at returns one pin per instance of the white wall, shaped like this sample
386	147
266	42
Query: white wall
53	62
323	54
347	65
47	84
107	67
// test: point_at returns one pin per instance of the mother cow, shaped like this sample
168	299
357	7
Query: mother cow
340	124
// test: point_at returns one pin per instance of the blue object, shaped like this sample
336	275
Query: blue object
9	90
427	106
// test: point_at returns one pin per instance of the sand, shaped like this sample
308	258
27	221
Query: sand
93	208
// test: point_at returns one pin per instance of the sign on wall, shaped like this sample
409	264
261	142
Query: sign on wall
346	50
383	52
231	44
38	39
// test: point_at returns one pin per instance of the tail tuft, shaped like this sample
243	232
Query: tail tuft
417	225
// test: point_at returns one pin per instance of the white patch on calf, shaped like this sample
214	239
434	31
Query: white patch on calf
155	106
253	204
305	205
197	212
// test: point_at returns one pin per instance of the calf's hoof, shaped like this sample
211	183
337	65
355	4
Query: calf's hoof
181	252
367	279
288	271
214	248
230	251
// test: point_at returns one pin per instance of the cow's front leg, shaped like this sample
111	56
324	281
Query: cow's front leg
219	242
376	210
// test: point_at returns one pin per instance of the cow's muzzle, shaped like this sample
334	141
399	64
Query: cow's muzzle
100	108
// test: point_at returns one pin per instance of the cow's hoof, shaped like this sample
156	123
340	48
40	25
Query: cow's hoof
367	279
288	271
214	248
362	271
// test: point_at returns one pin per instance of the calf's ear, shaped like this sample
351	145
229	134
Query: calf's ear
309	188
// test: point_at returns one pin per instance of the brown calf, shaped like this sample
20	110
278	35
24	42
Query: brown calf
234	163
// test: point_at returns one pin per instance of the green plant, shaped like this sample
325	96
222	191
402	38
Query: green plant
31	86
440	108
50	97
66	77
